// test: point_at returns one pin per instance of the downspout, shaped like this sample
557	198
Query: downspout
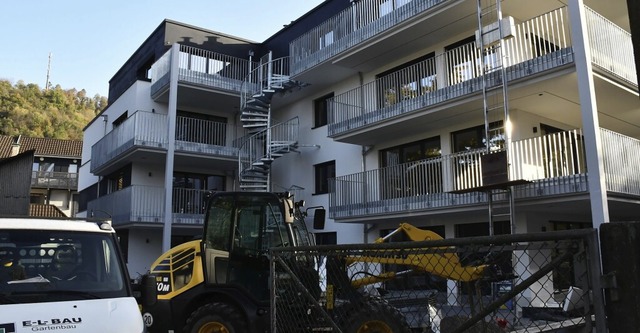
365	149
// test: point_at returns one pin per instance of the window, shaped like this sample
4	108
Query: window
409	80
189	191
120	119
201	128
465	62
323	173
326	238
502	259
116	181
474	137
409	152
320	110
423	176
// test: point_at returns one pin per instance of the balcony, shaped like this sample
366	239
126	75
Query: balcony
143	136
145	205
54	180
204	76
554	164
365	20
411	97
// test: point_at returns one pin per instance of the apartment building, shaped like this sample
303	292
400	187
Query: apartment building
382	112
45	181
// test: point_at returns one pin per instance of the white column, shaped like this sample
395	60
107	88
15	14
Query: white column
171	147
590	123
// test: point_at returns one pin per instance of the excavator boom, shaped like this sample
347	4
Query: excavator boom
445	264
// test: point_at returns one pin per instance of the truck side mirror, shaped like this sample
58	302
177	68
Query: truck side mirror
318	218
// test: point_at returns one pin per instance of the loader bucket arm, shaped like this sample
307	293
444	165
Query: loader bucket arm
445	264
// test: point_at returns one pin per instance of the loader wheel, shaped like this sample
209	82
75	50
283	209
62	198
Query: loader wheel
215	318
374	316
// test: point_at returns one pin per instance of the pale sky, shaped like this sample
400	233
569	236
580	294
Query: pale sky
90	40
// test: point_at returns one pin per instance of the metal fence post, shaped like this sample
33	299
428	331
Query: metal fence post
620	244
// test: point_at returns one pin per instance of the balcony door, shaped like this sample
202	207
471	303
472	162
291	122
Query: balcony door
407	81
564	152
201	128
411	169
189	190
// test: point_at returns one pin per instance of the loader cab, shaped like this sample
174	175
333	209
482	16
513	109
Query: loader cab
240	229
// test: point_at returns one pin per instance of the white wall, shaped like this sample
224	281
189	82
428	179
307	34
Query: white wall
145	246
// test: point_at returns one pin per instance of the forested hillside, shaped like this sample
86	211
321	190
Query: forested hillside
26	109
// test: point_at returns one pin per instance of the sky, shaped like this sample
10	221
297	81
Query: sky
82	44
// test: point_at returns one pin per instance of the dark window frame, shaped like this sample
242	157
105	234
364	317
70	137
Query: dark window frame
321	110
323	172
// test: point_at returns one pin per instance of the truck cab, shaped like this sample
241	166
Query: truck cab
64	275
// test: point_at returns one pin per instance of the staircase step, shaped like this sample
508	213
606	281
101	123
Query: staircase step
259	102
256	108
253	118
254	125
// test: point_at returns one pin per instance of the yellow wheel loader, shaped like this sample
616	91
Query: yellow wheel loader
221	283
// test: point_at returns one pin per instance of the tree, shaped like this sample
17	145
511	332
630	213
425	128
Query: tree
27	109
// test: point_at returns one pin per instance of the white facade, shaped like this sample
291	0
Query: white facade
545	106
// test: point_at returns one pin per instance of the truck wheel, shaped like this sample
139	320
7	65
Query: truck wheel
215	317
374	316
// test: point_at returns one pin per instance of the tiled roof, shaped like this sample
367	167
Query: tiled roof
42	146
5	146
39	210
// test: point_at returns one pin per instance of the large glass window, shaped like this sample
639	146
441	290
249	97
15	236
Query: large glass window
201	128
411	169
410	152
474	137
409	80
189	191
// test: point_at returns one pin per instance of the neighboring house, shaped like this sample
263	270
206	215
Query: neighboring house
376	110
52	172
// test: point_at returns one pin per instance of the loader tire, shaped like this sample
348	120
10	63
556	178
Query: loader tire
215	317
373	316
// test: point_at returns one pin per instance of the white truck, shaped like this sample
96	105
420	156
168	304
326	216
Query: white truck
64	275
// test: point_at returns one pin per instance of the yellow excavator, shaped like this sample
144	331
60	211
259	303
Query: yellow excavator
221	283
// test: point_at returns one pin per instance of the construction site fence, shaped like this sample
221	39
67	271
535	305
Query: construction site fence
538	282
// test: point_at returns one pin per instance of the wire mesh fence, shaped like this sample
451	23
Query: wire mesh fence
514	283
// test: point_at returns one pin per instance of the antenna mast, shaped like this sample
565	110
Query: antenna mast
46	84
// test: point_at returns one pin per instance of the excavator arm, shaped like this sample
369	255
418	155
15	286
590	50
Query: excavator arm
445	264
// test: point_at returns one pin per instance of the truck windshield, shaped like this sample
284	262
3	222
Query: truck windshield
53	265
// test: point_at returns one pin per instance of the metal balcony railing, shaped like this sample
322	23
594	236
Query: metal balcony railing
205	136
143	129
56	180
354	25
554	163
145	204
539	44
266	77
148	129
611	47
261	149
201	67
621	162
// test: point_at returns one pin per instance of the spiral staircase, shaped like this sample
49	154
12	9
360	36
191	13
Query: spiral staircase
267	139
